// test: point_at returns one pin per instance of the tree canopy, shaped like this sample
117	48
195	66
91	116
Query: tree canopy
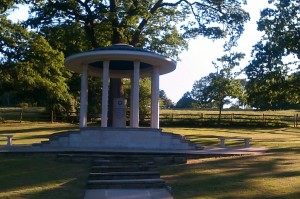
30	68
212	90
273	82
66	27
160	26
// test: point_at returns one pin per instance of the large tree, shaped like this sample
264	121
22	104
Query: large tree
161	26
30	68
272	82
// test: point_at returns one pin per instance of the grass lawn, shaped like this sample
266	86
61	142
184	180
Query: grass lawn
275	174
32	132
40	176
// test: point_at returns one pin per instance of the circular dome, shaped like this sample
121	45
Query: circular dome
121	58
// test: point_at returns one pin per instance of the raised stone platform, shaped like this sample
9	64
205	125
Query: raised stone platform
119	138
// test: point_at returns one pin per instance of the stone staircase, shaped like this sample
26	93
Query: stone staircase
119	138
124	172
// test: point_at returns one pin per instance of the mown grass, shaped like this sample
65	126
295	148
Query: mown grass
32	132
276	174
41	176
38	176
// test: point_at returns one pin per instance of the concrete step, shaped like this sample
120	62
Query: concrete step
121	168
129	183
116	162
124	175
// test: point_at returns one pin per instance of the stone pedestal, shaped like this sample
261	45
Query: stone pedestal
119	113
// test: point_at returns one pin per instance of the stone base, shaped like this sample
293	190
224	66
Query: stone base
120	138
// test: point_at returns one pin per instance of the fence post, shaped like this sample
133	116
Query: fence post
52	117
232	116
297	116
264	122
21	115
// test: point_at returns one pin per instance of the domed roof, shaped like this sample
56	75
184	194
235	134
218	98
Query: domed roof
122	58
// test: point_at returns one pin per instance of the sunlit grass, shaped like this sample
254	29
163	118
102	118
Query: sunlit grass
30	132
276	174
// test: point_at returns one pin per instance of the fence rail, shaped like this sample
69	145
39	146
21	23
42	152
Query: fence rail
166	119
230	119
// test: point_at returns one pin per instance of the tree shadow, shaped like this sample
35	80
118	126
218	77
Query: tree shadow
40	176
225	177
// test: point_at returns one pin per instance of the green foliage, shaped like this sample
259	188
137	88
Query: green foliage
281	25
149	24
164	100
272	82
211	90
145	96
73	26
216	87
187	101
31	68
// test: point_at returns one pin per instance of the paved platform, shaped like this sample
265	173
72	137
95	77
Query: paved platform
127	194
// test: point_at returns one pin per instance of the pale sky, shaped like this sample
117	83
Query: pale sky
196	62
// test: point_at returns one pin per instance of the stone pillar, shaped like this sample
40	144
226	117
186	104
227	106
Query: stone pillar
105	79
135	98
155	98
84	97
131	101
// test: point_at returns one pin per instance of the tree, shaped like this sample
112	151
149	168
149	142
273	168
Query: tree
145	96
149	24
31	68
165	101
187	101
216	87
200	92
156	25
271	83
267	78
281	26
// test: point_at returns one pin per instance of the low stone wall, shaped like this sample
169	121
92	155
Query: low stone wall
121	138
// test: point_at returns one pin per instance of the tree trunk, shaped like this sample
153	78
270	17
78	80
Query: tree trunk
220	113
115	86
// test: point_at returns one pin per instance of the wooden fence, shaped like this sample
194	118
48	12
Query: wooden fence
232	119
171	119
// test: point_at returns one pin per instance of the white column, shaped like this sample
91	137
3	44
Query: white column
83	97
131	101
105	79
155	98
135	97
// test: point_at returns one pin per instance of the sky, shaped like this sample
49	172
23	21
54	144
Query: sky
196	62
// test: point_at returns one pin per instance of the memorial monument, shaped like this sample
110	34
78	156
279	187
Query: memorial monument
120	61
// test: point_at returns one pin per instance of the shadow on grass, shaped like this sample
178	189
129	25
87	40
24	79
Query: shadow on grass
236	177
33	137
40	176
38	129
